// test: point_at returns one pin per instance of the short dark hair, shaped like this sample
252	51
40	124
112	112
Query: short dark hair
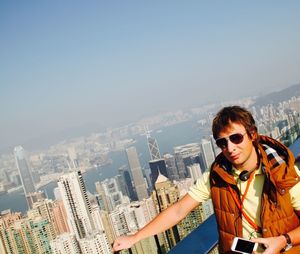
233	114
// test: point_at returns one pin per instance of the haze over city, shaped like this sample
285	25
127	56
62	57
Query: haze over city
105	63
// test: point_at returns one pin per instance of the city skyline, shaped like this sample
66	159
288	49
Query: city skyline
97	218
103	64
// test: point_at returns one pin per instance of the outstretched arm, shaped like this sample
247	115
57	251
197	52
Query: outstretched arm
163	221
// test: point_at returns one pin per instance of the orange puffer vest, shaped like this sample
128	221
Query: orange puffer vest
277	214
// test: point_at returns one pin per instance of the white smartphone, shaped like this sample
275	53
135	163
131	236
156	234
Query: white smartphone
241	245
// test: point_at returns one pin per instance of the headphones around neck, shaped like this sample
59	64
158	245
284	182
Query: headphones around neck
245	175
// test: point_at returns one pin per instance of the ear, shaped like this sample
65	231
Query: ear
253	134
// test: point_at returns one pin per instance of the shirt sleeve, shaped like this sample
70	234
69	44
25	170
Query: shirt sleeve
200	191
294	192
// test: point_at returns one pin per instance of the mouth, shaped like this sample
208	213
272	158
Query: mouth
234	157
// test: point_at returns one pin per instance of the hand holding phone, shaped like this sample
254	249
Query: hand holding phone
241	245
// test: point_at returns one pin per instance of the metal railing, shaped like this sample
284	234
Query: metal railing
202	240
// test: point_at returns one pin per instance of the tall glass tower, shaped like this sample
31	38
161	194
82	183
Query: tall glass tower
208	153
136	172
24	170
153	148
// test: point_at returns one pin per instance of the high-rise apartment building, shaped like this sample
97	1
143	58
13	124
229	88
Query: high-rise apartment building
7	219
24	170
113	193
42	234
165	194
129	218
65	244
95	244
60	217
17	237
84	220
194	171
107	226
24	235
44	210
136	172
186	155
122	221
76	202
101	197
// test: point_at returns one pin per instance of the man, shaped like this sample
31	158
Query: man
253	185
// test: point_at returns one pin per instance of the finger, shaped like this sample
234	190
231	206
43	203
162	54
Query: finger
259	240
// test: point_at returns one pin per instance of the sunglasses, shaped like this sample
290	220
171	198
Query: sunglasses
236	139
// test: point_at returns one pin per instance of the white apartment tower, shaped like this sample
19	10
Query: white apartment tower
95	244
77	205
194	171
65	244
113	194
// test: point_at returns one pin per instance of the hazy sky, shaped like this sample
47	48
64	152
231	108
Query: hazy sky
70	63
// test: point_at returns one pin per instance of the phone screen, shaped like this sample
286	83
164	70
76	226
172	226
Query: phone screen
244	246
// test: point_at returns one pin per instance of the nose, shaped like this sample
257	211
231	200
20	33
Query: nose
230	146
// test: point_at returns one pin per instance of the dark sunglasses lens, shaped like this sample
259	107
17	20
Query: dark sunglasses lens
236	138
222	142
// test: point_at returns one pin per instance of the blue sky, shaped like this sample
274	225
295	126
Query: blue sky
71	63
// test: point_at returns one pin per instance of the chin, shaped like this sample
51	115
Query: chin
237	163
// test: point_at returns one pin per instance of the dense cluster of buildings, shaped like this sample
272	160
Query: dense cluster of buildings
77	221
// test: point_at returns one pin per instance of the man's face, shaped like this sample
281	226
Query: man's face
242	155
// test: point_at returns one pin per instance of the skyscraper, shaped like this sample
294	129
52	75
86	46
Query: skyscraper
113	193
153	148
101	197
194	171
24	170
78	208
60	217
207	152
128	183
215	148
65	243
136	172
164	194
94	244
152	145
171	167
156	167
186	155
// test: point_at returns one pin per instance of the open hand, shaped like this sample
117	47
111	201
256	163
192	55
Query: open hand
273	245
